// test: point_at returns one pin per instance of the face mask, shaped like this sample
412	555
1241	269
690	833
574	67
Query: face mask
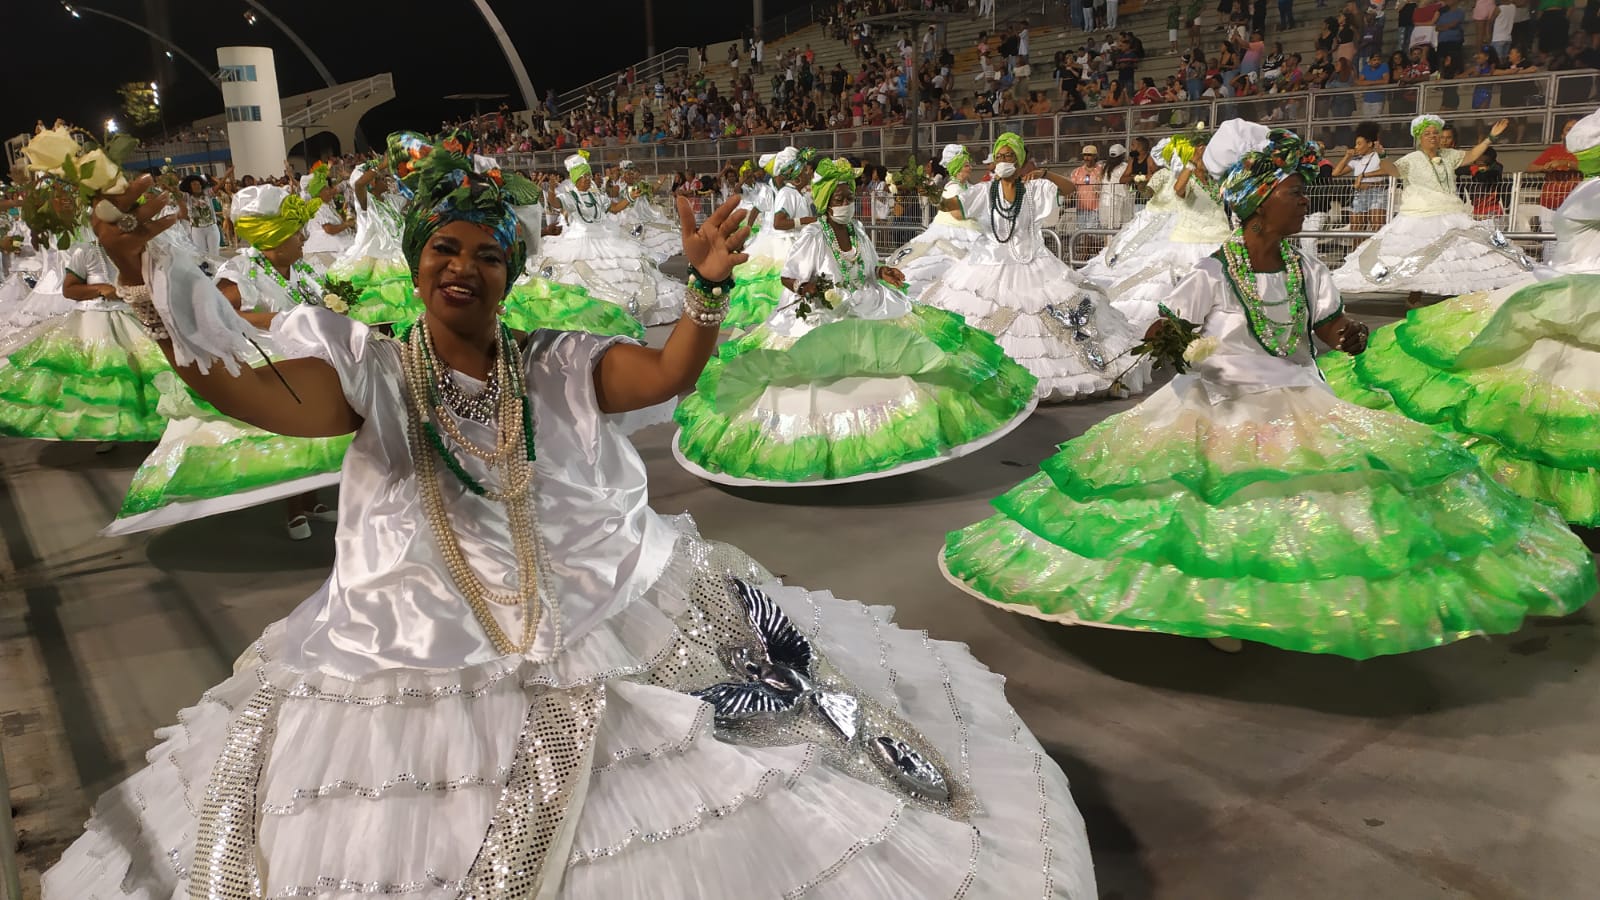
842	213
1005	170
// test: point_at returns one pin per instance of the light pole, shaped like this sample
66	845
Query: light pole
172	48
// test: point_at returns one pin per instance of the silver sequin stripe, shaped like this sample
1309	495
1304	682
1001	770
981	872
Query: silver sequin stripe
377	792
849	854
702	721
224	865
327	885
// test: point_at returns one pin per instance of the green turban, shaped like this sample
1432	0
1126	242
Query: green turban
1014	141
830	174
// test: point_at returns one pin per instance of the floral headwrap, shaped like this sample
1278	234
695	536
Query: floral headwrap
267	215
787	163
445	188
1014	141
1423	123
830	174
1254	176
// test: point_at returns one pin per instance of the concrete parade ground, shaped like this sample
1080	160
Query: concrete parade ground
1471	770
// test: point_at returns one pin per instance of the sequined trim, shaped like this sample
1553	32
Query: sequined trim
552	757
702	721
703	812
955	707
377	792
849	854
328	884
1044	829
225	841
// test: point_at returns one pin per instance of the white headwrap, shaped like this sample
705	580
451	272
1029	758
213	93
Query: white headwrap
484	164
1585	134
356	173
257	200
577	166
1159	152
765	161
951	151
625	164
1231	141
785	159
305	186
1423	123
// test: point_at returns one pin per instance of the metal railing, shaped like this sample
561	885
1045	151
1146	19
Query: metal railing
645	73
1329	116
344	98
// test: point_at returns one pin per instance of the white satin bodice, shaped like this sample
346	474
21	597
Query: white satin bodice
258	290
585	211
390	601
1577	228
1240	363
1428	187
813	255
1025	236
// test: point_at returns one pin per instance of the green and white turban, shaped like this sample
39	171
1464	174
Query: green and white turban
1014	141
954	158
1423	123
830	174
1583	141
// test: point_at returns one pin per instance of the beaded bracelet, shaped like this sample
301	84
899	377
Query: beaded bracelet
710	289
703	310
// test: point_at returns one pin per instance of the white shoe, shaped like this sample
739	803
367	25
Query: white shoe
1226	644
324	513
299	528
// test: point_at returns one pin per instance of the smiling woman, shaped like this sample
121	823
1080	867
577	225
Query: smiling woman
518	680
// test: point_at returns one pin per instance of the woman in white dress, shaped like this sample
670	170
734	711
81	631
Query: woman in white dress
785	207
640	219
592	251
1433	246
201	216
208	463
331	233
373	263
859	383
1042	313
1183	223
519	681
948	238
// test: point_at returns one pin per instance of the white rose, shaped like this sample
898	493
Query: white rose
893	177
1199	349
1138	179
104	175
834	296
335	303
49	149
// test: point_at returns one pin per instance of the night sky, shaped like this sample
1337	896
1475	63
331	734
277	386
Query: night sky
60	66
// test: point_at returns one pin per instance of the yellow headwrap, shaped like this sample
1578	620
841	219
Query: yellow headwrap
830	174
745	168
266	232
1012	140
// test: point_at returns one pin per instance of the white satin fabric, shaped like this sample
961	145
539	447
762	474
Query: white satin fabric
1240	365
390	601
593	252
378	229
1577	227
1428	186
812	256
319	241
773	242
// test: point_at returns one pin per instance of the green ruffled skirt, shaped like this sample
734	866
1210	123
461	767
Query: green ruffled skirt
208	463
542	303
386	291
757	291
88	375
850	399
1514	376
1285	517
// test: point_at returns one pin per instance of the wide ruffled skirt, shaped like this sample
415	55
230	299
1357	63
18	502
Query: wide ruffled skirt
1514	375
208	464
930	254
86	375
597	777
661	238
613	268
850	400
536	303
1045	317
1442	254
1287	517
386	294
1141	265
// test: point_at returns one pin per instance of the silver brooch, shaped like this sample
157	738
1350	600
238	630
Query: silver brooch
1077	323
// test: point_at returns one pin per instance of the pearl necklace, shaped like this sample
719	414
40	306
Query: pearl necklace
516	472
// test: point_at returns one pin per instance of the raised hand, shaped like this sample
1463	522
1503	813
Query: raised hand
716	245
127	222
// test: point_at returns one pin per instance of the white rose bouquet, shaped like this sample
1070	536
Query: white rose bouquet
69	170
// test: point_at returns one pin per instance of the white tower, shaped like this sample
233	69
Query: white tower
255	121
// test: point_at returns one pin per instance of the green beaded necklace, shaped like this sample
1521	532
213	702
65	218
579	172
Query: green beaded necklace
1280	339
859	279
292	287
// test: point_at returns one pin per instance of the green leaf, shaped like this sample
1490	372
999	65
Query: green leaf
120	147
87	172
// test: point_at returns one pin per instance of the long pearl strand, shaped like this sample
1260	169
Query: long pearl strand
516	477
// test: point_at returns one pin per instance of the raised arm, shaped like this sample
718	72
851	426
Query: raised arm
1495	131
256	396
631	377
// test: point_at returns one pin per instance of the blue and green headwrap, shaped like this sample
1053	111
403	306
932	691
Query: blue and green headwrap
830	174
1014	141
444	187
1253	177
